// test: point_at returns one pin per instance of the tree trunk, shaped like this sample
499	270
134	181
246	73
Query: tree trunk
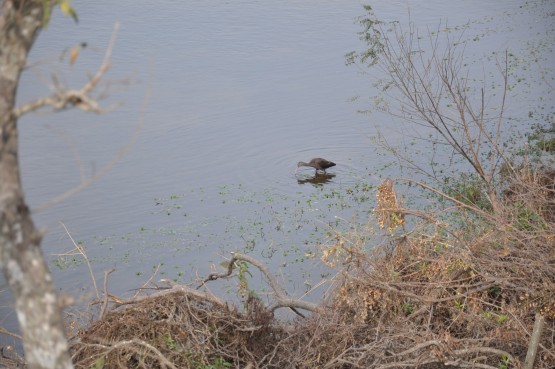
21	260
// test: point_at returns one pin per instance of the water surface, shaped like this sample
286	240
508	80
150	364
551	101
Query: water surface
230	95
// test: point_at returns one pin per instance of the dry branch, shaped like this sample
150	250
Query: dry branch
161	291
534	342
81	98
279	293
105	302
131	346
81	251
116	159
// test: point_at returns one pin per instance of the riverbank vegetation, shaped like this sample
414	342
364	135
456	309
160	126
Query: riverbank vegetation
467	280
472	288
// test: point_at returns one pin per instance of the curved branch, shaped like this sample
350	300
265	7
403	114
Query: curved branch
205	296
281	296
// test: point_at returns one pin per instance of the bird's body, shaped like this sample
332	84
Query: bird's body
317	163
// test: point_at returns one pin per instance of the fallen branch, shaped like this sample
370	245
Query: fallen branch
205	296
281	296
534	342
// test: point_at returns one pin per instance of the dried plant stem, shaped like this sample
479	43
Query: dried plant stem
147	281
81	250
534	342
105	302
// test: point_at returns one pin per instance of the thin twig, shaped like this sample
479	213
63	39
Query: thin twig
147	281
105	302
81	251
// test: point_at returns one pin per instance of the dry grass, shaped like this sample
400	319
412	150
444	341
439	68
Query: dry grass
463	297
175	331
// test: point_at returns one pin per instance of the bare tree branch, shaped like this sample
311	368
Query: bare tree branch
80	99
109	166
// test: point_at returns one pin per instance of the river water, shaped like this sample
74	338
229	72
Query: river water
227	98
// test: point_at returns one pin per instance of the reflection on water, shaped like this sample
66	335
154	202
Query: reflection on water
318	179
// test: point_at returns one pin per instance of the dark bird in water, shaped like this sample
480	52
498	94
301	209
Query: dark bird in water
317	163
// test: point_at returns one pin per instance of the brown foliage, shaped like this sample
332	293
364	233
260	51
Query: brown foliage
468	297
175	331
437	297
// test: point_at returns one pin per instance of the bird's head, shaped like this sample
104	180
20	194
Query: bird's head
300	164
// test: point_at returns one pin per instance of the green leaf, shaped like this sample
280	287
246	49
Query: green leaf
65	6
99	363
